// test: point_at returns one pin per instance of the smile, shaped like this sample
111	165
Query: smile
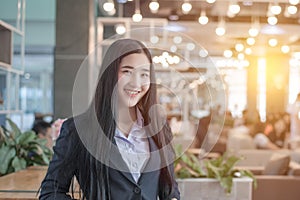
132	92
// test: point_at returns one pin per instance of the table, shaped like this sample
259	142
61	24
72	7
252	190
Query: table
23	184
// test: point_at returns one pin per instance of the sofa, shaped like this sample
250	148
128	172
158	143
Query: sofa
277	173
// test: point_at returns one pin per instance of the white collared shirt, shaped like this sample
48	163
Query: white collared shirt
134	149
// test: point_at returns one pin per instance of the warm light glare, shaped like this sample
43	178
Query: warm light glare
272	20
220	31
285	49
253	32
273	42
186	7
250	41
137	17
261	88
239	47
203	19
292	10
227	53
294	2
120	29
154	6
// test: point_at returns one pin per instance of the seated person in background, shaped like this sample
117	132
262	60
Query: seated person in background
264	136
43	130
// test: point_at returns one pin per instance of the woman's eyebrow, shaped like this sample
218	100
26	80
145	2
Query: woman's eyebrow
130	67
127	66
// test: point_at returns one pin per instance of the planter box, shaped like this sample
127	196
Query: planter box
210	189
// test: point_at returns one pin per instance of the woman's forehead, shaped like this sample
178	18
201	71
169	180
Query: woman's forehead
135	60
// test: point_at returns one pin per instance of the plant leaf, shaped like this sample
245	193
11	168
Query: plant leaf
25	138
18	163
6	155
14	128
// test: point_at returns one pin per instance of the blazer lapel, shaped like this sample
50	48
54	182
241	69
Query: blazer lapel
118	163
154	162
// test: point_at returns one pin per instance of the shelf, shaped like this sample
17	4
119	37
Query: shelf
11	112
11	70
8	68
4	25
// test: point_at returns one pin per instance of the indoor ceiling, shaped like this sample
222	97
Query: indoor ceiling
286	31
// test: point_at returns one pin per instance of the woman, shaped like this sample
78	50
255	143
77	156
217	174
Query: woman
120	148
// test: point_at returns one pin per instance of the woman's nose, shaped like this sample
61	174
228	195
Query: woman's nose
135	80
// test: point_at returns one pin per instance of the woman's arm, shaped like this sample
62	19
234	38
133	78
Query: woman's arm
62	168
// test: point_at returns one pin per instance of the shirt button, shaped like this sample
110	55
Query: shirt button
137	190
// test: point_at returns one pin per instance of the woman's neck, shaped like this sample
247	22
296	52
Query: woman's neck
126	118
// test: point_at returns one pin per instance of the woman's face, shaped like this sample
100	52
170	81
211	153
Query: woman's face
133	79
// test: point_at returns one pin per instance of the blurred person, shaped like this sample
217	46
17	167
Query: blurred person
43	130
294	111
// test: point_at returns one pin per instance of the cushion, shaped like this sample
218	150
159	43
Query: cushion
294	168
277	165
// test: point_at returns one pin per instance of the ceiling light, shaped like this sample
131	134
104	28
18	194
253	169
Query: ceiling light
239	47
173	48
250	41
241	56
294	2
210	1
275	9
186	7
109	6
203	53
203	19
285	49
154	6
227	53
292	10
273	42
220	31
253	32
234	8
248	51
272	20
137	17
120	29
177	39
190	46
154	39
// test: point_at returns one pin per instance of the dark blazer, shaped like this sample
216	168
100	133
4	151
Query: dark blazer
68	161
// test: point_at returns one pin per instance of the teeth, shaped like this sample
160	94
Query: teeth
132	92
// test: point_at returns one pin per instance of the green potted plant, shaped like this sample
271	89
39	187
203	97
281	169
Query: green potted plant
206	177
19	150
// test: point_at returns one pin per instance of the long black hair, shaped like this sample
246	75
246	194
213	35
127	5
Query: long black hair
102	109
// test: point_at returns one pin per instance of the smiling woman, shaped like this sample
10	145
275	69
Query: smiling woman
115	146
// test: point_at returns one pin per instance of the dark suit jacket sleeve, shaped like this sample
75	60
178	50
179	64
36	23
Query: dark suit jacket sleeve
62	168
175	192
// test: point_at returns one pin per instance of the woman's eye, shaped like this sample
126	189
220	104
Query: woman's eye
126	72
145	75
